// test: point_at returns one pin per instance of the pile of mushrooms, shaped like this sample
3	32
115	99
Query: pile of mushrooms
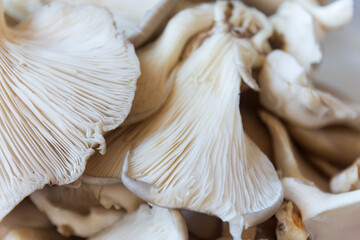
166	119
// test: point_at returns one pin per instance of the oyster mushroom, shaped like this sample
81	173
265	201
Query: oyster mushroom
57	100
290	225
337	144
154	84
24	215
78	220
332	15
346	180
321	211
297	33
147	223
193	153
115	195
138	23
287	92
286	157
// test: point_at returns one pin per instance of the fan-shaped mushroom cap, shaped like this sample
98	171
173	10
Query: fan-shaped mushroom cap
61	89
338	144
286	91
147	223
321	211
287	158
138	23
193	153
79	219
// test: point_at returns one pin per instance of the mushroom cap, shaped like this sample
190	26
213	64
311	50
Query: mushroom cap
158	59
232	179
287	92
298	32
147	223
138	23
62	88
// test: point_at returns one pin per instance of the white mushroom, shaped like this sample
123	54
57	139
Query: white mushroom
115	195
82	222
147	223
61	89
325	216
346	180
159	58
138	23
286	91
193	153
331	16
286	157
298	33
339	145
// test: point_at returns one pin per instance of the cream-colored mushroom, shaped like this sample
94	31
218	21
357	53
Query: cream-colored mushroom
321	211
75	220
287	158
138	23
31	234
290	225
332	15
286	91
298	33
337	144
346	180
232	179
115	195
147	223
24	215
159	58
67	77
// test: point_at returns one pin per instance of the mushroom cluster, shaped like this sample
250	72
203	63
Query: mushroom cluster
174	119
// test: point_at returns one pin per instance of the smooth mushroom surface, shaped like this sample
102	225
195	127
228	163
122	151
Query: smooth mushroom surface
147	223
288	93
338	144
79	221
287	158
